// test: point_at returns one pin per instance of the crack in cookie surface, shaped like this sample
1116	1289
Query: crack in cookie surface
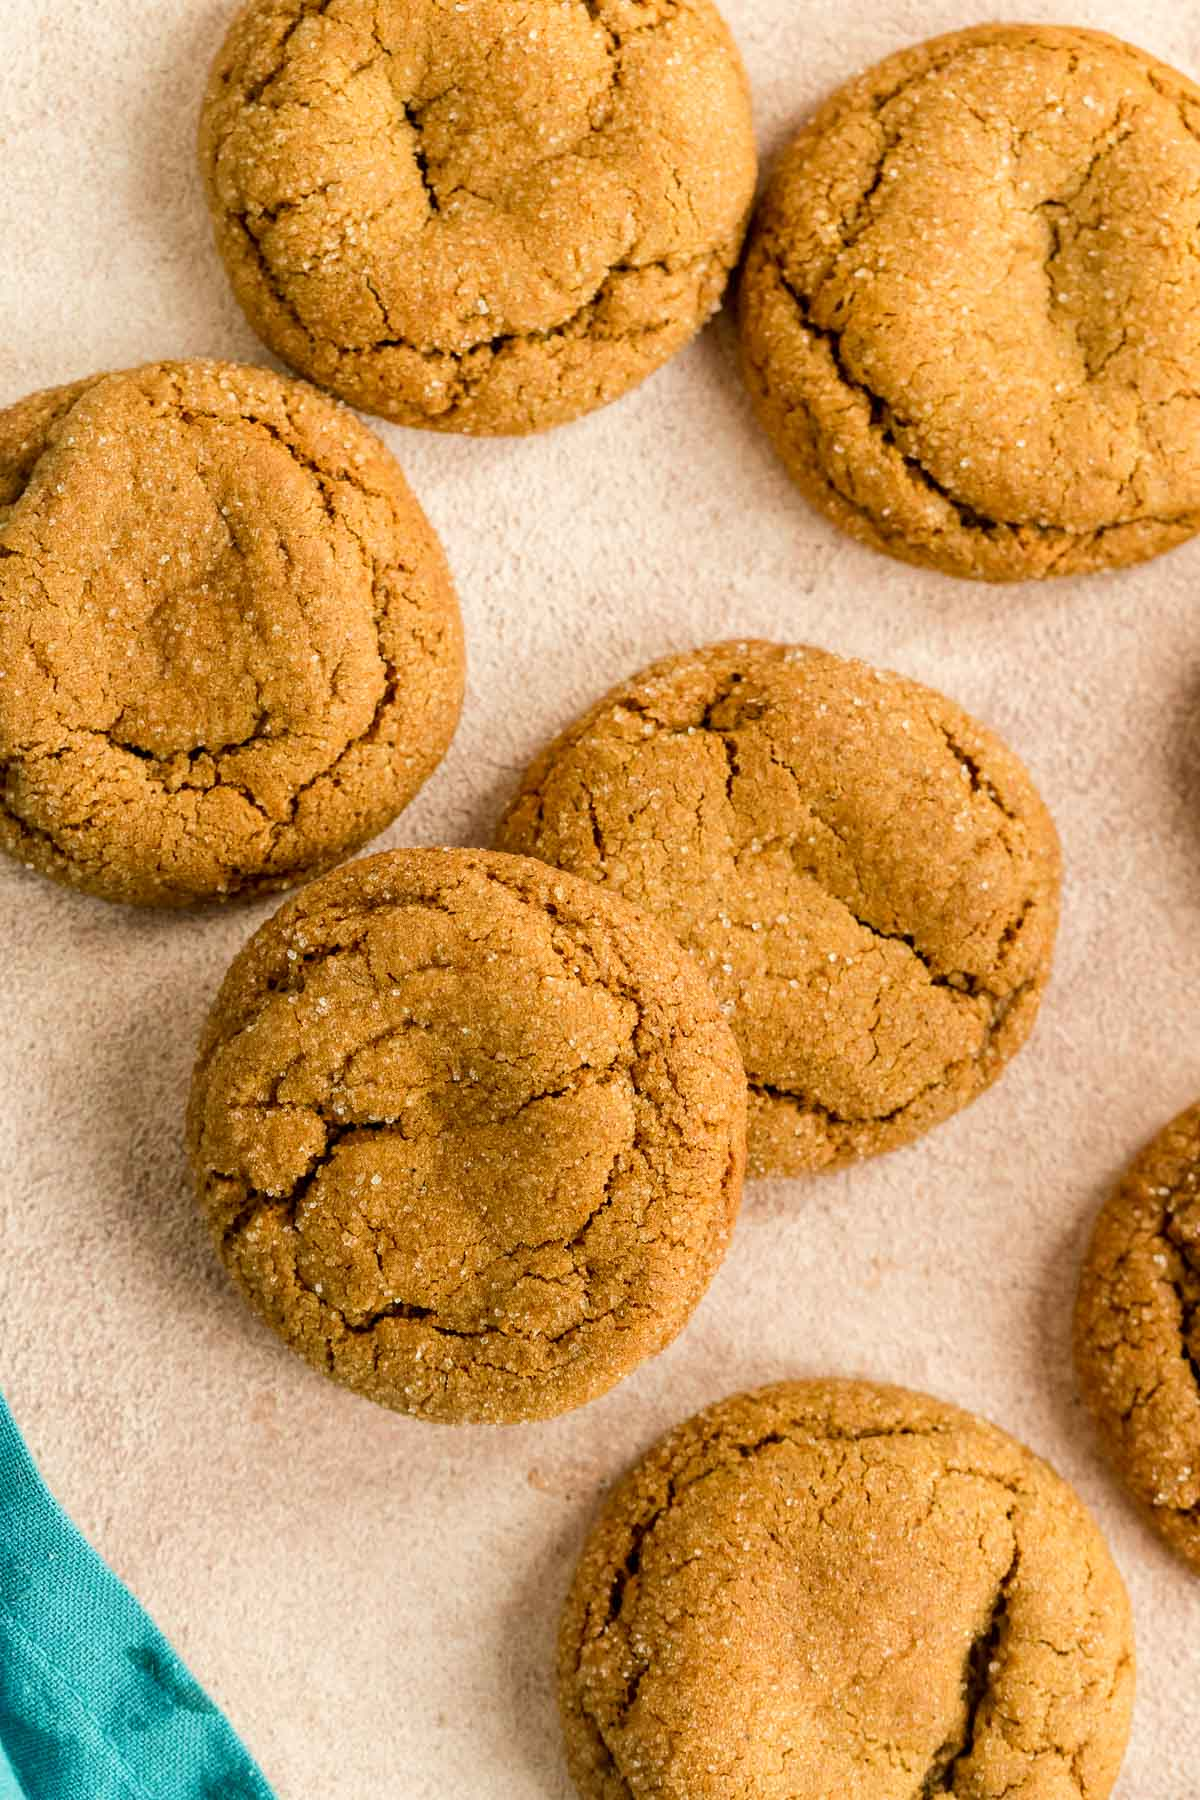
231	646
826	1587
1137	1331
468	1135
867	877
1020	203
489	222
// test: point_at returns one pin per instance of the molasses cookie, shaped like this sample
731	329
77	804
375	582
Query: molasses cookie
867	877
230	650
831	1588
469	1133
1137	1331
485	217
970	311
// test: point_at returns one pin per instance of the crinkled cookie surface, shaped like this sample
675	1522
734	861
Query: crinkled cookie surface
230	648
1137	1331
867	877
469	1133
970	311
478	215
833	1588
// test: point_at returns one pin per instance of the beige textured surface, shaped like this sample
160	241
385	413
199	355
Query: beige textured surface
373	1599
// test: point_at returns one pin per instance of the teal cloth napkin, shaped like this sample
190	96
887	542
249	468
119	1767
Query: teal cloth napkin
94	1703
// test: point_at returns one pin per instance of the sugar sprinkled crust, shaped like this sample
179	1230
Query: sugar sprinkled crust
867	876
230	649
481	217
970	309
829	1587
1137	1331
469	1133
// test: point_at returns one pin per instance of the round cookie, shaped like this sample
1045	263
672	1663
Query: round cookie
489	217
1137	1331
867	876
970	309
469	1133
230	649
829	1587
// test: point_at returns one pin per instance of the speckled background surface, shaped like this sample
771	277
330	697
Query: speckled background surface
374	1600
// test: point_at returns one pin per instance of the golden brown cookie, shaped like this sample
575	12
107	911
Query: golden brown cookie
469	1133
485	216
970	311
230	650
831	1588
867	876
1137	1331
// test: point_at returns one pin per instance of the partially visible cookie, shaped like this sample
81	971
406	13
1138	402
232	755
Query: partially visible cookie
970	309
867	876
1137	1331
832	1588
487	217
469	1133
230	649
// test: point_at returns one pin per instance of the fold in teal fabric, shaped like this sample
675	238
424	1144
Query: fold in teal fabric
94	1703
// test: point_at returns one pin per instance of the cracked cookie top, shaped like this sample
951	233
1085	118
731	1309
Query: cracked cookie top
1137	1331
230	649
867	877
486	216
832	1588
469	1133
970	311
